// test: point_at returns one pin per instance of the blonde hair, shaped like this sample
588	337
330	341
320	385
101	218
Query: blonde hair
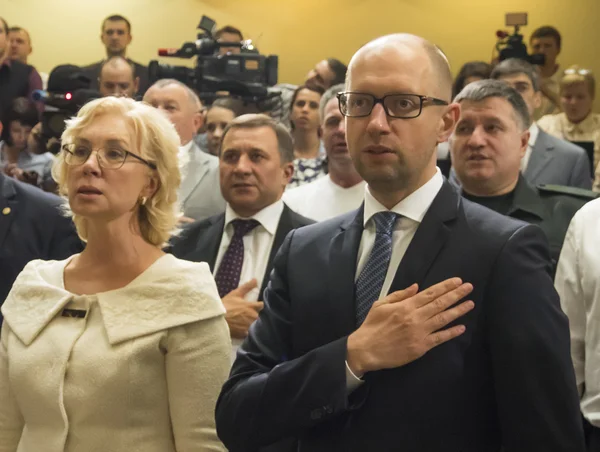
156	141
576	75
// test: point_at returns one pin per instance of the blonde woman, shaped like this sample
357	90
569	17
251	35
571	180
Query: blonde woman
578	122
121	347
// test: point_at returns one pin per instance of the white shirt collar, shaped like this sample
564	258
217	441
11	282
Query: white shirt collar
267	217
534	131
184	149
414	206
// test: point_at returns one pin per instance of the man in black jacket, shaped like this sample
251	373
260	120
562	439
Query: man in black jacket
255	165
347	356
490	139
31	227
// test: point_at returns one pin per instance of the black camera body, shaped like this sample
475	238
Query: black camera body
514	47
246	75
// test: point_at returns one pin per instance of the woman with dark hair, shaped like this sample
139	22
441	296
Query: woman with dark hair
309	154
469	73
15	158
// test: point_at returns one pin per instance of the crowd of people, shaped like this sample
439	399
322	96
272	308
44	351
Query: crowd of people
391	258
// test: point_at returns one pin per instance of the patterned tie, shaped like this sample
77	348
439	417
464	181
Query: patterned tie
228	274
371	278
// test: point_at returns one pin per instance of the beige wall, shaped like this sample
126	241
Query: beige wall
300	31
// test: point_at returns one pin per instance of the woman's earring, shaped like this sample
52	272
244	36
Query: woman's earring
143	200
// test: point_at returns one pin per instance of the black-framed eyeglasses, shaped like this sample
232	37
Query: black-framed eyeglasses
108	158
405	106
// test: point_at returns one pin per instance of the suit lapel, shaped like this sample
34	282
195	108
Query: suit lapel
285	225
8	207
343	256
207	246
541	155
428	241
197	168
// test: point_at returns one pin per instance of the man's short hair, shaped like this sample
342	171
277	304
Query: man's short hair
229	29
515	66
18	29
479	69
5	25
330	94
23	111
547	31
339	69
116	18
192	96
229	103
254	121
486	89
113	59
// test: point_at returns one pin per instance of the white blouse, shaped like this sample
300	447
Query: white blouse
134	369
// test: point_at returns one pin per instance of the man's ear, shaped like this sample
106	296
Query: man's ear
0	127
288	171
524	142
198	121
448	122
136	85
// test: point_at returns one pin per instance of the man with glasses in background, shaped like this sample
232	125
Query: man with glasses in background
367	340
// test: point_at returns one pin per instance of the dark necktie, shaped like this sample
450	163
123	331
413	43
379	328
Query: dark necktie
371	278
228	274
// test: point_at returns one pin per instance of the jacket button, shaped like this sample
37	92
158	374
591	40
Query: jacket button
317	414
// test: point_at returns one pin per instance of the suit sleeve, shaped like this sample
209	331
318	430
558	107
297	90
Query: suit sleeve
11	420
581	173
198	360
572	299
528	336
271	394
596	186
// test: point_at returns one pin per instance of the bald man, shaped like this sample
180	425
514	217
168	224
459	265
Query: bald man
420	322
199	193
117	78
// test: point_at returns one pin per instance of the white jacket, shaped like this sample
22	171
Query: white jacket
141	371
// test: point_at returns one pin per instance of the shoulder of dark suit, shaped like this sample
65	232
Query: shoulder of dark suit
560	191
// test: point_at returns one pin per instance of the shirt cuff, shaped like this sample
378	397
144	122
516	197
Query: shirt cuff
352	381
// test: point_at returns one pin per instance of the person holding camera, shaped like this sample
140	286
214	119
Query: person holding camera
132	342
547	41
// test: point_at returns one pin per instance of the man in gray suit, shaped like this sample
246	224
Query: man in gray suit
547	160
199	193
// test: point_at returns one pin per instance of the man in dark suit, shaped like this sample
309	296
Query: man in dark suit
31	227
487	162
116	36
343	366
255	165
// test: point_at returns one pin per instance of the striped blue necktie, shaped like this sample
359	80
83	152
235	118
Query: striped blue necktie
371	278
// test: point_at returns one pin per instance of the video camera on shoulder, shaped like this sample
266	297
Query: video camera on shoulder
246	75
68	91
512	46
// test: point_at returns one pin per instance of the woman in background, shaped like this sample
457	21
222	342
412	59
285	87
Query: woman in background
309	153
16	158
121	348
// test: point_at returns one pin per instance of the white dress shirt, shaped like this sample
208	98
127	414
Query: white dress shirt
534	131
578	284
323	199
411	209
257	248
184	157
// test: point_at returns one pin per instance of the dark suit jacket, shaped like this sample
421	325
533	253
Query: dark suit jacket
200	241
31	227
507	382
558	162
93	72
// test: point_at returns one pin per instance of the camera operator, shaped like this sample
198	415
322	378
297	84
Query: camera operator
229	34
116	37
547	41
117	78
